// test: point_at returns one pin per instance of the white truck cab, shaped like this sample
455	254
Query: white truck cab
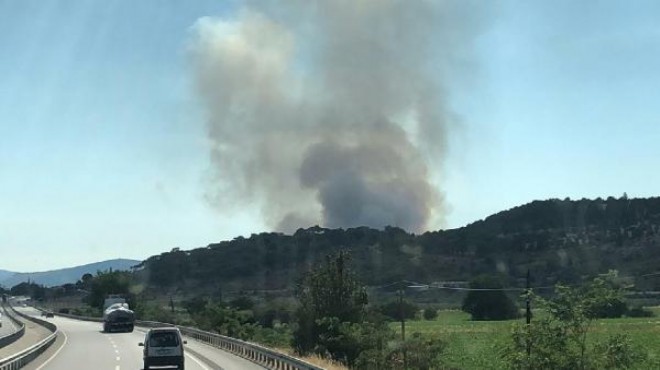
163	347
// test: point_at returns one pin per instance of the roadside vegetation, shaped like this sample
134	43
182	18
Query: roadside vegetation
332	322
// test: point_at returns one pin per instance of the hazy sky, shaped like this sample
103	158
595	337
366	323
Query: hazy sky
103	144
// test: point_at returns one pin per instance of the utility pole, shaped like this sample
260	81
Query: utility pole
528	313
403	325
401	317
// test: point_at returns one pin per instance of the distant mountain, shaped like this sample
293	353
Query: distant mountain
9	279
558	240
4	274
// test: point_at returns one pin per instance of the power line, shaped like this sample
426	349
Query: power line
415	285
418	285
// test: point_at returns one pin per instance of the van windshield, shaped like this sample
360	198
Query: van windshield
164	339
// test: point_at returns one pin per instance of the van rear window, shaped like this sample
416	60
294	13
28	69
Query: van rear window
164	339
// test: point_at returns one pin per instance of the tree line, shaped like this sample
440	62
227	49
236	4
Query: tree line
560	240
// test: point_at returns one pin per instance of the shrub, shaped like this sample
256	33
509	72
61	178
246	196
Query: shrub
639	312
560	341
430	314
618	353
394	309
489	304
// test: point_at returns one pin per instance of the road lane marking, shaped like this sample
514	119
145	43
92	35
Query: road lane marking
118	359
200	363
66	339
117	367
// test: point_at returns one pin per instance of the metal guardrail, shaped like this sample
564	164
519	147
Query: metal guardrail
253	352
260	355
22	358
12	337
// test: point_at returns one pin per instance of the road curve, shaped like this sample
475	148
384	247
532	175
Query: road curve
82	345
8	325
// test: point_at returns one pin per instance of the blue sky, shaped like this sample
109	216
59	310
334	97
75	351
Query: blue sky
102	141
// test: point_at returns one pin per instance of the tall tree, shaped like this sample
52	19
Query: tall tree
331	293
111	282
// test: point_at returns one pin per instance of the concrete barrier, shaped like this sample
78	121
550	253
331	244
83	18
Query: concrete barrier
22	358
13	337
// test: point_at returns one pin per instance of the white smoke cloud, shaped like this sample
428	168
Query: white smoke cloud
330	112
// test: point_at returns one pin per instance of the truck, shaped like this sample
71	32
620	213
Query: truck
117	316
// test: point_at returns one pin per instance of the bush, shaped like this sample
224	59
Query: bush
242	303
618	353
423	352
489	304
639	312
277	337
609	309
560	341
603	297
430	314
394	309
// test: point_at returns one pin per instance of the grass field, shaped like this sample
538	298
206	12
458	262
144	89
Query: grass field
477	344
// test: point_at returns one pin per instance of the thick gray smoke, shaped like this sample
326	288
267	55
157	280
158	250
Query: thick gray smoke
331	112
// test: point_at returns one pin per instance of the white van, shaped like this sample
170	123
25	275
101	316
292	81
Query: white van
163	347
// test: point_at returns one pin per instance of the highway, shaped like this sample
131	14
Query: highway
82	345
8	325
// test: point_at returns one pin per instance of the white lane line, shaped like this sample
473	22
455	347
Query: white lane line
117	367
118	359
66	339
200	363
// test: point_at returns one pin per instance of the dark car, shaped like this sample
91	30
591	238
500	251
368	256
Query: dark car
47	314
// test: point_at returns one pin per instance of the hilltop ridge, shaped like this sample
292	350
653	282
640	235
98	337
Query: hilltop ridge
559	240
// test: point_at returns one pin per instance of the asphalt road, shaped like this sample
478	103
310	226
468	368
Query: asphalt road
8	325
33	334
82	345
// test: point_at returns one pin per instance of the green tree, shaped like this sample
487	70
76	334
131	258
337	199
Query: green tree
218	317
35	291
110	282
603	297
488	301
242	303
329	296
560	341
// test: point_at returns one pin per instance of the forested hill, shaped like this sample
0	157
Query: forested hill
556	239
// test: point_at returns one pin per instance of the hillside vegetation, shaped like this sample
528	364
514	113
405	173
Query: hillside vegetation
559	240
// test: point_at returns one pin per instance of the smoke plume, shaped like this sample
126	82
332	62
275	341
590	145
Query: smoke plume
330	112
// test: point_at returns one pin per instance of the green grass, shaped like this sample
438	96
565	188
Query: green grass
477	344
